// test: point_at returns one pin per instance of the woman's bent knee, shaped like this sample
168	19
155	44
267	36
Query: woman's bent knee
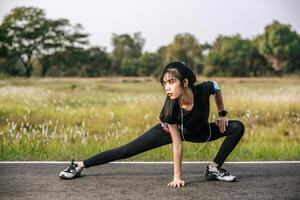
237	127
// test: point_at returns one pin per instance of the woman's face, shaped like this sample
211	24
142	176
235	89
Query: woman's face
172	86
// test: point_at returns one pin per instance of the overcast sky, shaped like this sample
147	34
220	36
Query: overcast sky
160	20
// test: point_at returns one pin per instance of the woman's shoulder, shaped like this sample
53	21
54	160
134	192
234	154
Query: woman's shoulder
202	84
210	85
205	83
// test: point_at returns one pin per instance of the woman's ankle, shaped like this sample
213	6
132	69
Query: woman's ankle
80	164
213	165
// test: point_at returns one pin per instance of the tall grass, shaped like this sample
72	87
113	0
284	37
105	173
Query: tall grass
60	119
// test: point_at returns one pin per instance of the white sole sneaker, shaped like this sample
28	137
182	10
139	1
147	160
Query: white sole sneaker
73	171
219	174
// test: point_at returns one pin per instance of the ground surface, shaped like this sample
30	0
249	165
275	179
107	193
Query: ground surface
148	181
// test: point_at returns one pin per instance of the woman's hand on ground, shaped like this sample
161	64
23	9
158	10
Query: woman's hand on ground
222	122
176	183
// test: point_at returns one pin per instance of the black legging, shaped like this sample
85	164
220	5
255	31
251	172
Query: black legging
157	136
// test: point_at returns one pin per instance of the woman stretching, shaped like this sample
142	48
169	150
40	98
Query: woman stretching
184	117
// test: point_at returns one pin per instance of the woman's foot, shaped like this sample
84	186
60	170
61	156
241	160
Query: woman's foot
218	173
72	171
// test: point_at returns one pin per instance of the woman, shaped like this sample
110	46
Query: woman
184	117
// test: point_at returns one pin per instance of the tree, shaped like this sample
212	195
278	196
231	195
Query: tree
185	47
64	63
3	40
11	66
161	53
148	63
234	56
126	47
29	33
279	44
98	63
293	64
129	67
257	63
92	62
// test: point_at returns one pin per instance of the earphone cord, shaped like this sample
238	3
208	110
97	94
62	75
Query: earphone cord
182	125
208	128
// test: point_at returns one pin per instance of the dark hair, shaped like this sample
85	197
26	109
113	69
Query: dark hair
179	70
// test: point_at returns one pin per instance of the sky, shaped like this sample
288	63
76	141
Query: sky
160	20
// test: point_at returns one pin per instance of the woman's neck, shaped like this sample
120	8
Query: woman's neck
187	98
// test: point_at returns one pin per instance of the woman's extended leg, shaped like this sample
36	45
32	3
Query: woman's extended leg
156	137
153	138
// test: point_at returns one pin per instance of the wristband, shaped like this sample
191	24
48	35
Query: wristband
223	113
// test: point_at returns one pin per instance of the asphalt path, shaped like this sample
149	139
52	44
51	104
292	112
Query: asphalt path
148	181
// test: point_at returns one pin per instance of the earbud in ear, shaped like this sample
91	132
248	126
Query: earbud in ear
185	82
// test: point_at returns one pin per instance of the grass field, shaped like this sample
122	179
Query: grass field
64	118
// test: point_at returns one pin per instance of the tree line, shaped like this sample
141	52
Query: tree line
32	44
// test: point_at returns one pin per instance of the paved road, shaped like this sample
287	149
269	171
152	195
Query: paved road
148	181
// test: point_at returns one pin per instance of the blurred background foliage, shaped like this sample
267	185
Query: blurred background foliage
33	45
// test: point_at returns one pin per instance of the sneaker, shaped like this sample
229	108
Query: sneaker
70	172
218	174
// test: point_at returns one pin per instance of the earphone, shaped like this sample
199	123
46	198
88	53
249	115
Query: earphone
181	127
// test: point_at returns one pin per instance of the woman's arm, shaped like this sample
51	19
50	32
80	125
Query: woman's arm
222	122
177	156
219	101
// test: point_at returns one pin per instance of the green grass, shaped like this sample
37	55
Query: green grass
64	118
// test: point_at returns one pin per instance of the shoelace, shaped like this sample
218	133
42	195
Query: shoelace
223	171
71	168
